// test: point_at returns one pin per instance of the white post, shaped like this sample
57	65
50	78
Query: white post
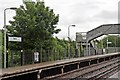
69	39
5	37
12	8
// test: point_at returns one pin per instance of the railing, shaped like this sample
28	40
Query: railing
18	58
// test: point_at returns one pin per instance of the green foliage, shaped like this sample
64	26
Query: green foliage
35	23
115	40
60	45
1	41
1	48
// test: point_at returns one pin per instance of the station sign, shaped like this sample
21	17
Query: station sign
15	39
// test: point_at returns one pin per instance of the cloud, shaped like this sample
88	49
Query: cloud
76	12
107	15
85	14
9	13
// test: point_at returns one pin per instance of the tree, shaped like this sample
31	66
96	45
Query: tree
115	40
35	23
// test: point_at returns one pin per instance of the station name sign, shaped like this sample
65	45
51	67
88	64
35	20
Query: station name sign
15	39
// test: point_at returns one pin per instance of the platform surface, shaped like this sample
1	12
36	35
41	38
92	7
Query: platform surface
25	68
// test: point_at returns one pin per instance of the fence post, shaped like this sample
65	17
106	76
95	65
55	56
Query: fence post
54	55
58	55
32	56
11	59
41	54
23	58
65	54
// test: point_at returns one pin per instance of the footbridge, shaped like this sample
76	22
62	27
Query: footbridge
85	40
103	30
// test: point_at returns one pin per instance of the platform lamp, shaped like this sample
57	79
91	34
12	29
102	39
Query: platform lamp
69	39
11	8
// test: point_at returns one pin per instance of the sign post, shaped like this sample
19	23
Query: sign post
16	39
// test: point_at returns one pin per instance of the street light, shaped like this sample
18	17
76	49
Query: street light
12	8
69	39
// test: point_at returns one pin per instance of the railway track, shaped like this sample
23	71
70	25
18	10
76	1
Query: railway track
93	72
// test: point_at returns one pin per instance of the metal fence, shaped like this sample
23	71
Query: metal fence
14	58
113	49
18	58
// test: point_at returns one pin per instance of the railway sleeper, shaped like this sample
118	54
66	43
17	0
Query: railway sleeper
98	75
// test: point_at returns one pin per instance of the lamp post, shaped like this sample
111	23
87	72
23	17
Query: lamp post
69	39
12	8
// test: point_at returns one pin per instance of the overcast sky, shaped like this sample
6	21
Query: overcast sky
85	14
